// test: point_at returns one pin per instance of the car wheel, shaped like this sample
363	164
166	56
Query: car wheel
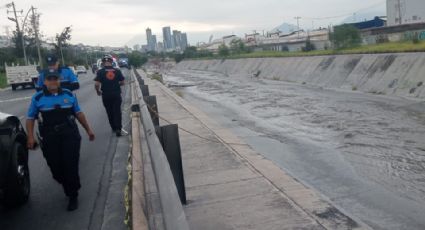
13	87
18	185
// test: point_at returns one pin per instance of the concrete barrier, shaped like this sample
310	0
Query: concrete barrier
401	74
173	214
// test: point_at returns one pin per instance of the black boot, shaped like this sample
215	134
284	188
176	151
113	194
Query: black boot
73	204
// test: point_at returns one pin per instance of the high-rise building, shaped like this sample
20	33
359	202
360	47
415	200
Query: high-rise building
177	39
154	41
160	47
183	43
168	39
151	39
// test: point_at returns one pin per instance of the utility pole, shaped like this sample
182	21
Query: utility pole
298	25
35	21
60	48
18	28
398	6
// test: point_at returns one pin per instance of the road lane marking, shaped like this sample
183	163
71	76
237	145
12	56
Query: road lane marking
15	99
7	88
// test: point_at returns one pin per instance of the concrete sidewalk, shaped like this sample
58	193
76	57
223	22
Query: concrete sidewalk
229	186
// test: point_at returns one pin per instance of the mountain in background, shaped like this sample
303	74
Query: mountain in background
360	17
285	28
138	39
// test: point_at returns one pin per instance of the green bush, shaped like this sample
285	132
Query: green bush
137	59
3	81
345	36
309	46
223	50
158	77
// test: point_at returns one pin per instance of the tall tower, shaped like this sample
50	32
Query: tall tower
149	39
168	38
154	43
184	42
177	39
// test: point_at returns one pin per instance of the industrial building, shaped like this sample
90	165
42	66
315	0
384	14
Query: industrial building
405	12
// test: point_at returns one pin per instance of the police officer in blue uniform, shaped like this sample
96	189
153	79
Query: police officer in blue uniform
67	79
61	139
108	84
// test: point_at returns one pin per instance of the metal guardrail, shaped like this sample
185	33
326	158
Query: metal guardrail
173	213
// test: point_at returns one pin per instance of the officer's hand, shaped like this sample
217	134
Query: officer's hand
91	135
99	93
31	144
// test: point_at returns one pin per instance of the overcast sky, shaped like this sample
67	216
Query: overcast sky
115	23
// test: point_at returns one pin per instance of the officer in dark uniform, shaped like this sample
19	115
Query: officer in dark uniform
60	135
67	79
108	84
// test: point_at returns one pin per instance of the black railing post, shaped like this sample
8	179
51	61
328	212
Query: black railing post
153	109
169	137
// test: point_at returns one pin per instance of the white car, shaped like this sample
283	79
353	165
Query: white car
81	69
73	69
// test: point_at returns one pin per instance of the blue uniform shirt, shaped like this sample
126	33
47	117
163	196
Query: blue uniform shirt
66	76
45	102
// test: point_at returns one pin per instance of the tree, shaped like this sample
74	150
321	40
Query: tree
17	40
238	46
223	50
178	57
7	55
345	36
137	59
191	52
62	41
309	46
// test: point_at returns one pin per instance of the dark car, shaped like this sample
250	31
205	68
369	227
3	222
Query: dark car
14	171
123	64
94	68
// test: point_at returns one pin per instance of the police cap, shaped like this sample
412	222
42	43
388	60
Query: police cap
51	59
52	74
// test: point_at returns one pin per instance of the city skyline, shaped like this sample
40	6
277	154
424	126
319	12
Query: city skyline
171	40
91	20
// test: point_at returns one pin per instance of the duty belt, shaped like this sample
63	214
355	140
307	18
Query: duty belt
57	128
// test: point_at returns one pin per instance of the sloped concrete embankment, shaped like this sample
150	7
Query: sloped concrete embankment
389	74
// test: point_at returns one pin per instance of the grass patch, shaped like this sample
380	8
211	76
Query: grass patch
3	81
179	93
127	194
391	47
158	77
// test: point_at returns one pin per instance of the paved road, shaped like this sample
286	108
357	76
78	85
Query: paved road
101	162
366	153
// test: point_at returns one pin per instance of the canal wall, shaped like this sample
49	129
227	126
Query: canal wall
401	74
